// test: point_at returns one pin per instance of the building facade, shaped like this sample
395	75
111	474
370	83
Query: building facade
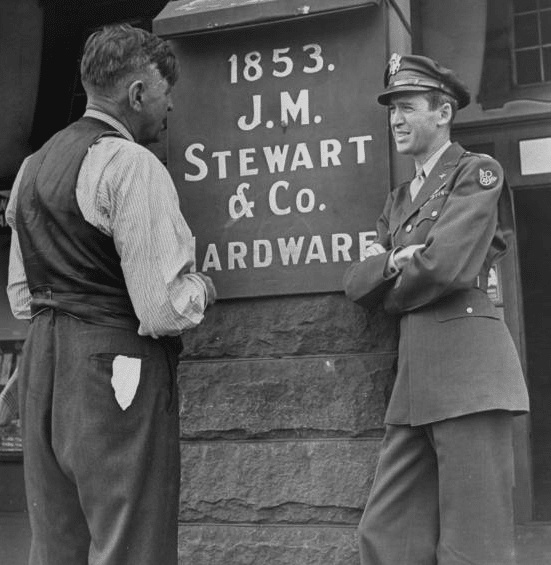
285	384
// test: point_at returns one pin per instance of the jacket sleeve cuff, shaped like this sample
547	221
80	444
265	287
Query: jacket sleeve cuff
391	270
364	281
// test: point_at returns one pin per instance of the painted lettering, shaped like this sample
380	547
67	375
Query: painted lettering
197	161
272	198
256	117
262	253
360	142
293	109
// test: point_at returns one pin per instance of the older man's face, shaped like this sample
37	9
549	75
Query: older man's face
157	102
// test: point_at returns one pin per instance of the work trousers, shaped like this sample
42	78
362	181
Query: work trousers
102	472
442	495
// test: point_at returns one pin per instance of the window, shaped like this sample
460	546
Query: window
517	54
531	41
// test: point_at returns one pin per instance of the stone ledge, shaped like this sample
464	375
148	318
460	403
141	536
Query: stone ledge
264	545
322	481
304	396
289	325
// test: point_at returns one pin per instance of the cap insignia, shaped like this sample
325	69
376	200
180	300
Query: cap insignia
487	177
394	64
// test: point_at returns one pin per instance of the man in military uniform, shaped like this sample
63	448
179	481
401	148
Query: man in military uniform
442	493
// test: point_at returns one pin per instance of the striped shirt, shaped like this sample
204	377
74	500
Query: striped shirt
125	191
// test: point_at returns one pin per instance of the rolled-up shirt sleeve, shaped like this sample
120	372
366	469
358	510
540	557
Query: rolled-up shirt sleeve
154	242
18	292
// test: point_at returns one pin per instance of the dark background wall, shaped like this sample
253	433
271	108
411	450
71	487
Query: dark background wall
20	56
534	237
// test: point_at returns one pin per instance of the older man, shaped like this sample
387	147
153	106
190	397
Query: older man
443	488
101	259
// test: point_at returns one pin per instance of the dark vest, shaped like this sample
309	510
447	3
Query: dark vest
71	266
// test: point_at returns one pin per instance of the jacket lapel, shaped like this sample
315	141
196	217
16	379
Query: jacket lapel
437	179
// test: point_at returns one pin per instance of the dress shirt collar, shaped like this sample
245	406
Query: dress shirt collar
428	165
110	120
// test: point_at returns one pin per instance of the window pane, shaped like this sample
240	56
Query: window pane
524	5
547	64
526	30
545	19
528	66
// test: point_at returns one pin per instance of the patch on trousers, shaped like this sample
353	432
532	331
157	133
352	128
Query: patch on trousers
125	379
487	177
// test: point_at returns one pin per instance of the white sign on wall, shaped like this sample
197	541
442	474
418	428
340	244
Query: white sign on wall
535	156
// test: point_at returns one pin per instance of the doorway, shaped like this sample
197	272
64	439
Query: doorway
533	219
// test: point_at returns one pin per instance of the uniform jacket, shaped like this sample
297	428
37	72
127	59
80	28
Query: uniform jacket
456	355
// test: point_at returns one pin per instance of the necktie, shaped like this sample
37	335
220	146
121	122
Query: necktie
416	184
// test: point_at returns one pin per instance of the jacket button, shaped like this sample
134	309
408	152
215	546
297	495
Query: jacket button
469	310
409	227
434	213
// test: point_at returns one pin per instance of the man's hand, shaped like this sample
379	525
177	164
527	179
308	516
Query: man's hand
374	249
211	291
405	254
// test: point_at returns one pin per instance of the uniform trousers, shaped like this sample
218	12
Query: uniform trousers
442	494
102	482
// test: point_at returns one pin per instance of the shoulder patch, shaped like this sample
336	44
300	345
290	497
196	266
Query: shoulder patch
487	178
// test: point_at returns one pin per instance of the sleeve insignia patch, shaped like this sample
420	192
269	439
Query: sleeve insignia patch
487	178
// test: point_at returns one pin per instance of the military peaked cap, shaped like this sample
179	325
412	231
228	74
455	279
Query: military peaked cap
415	73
